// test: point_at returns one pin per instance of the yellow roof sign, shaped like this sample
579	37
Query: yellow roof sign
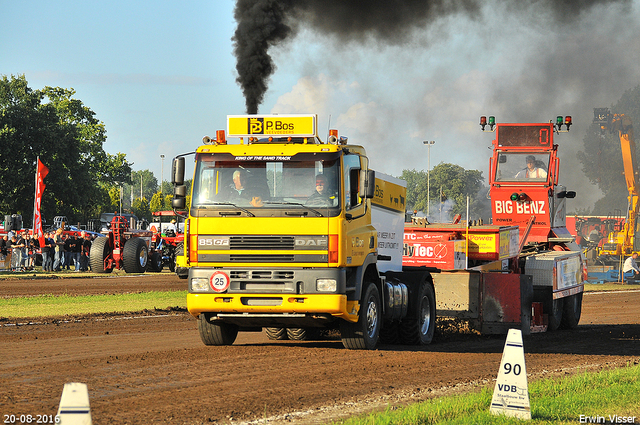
272	125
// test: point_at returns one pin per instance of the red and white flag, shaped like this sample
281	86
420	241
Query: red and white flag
41	174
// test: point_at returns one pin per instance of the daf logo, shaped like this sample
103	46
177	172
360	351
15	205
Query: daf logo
311	242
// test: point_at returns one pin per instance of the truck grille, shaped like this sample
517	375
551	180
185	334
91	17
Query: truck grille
261	274
261	242
261	258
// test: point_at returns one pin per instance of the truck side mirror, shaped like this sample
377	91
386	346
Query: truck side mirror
179	200
367	184
178	203
177	171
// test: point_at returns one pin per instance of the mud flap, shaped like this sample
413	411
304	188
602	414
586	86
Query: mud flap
506	303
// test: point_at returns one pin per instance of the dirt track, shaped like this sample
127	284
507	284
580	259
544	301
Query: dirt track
153	368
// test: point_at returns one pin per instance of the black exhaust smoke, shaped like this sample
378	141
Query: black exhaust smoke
260	25
265	23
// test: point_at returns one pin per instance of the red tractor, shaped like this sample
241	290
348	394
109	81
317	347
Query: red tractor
124	248
168	237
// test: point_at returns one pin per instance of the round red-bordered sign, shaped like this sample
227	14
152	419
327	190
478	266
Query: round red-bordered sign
219	281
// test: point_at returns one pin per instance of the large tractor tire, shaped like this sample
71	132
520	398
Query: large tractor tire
303	334
135	255
364	334
155	262
419	326
100	250
571	312
276	334
216	333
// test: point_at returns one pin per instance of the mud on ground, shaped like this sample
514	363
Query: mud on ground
151	367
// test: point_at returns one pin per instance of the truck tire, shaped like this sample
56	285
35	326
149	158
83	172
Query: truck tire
216	333
100	250
554	313
135	255
155	262
276	334
364	334
420	324
572	311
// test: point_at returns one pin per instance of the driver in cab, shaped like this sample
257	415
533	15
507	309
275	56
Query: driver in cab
239	189
532	171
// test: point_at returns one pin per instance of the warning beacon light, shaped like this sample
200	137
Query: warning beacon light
333	136
220	137
491	122
563	120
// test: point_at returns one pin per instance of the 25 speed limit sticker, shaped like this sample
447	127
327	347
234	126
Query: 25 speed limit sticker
219	281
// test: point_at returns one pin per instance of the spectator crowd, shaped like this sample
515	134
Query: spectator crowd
61	251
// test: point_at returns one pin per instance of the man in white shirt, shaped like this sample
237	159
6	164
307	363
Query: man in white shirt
532	171
631	266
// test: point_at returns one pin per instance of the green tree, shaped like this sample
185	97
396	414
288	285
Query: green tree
114	200
456	184
140	209
157	202
167	202
65	134
144	184
601	157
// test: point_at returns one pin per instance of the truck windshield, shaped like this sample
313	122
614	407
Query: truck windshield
522	166
306	184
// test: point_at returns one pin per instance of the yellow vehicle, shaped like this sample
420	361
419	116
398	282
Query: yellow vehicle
292	234
623	241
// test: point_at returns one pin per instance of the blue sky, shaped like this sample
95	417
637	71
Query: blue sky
160	75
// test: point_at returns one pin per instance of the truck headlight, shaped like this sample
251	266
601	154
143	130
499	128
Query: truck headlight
326	285
199	284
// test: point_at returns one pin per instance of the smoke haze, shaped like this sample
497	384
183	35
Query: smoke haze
393	73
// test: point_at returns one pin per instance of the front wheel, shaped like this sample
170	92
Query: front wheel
363	335
216	333
135	255
155	262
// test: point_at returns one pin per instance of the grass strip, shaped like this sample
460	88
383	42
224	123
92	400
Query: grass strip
610	287
609	396
49	305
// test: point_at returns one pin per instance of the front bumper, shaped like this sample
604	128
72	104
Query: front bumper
272	294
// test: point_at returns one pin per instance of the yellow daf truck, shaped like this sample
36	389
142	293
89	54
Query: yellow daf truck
291	234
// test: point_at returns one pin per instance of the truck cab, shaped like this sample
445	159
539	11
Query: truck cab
524	181
524	191
279	232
